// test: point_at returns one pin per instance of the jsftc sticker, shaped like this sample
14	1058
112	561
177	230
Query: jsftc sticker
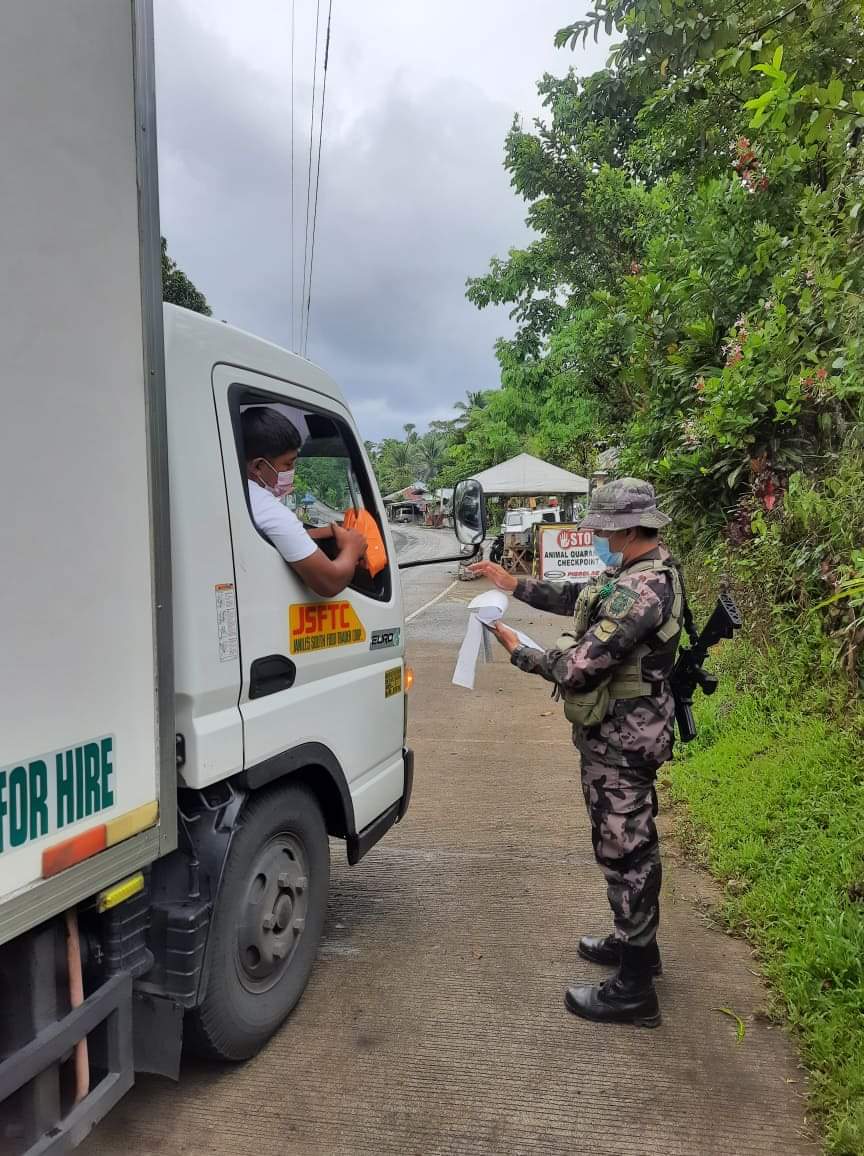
321	625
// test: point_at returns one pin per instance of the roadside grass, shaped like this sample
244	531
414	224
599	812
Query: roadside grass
774	794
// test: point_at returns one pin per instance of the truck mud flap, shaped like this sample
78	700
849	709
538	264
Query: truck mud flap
111	1005
408	764
364	840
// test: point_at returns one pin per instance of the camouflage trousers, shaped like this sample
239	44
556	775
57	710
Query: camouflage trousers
622	804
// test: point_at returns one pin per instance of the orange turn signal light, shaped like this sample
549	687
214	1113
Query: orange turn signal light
409	678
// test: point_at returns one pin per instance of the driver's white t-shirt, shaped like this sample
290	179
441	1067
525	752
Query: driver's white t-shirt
280	525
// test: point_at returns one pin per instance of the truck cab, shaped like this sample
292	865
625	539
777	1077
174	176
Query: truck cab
289	708
264	669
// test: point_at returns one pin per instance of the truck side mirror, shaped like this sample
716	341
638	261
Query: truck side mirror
469	512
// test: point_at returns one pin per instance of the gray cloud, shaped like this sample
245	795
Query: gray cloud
413	200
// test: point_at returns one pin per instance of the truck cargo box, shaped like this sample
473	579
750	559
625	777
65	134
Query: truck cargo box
86	742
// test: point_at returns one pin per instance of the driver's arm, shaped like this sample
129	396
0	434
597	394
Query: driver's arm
328	578
284	530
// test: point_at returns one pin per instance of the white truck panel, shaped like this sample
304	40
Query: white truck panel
207	666
78	659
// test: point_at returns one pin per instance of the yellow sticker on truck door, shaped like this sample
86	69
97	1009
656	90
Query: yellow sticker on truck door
322	625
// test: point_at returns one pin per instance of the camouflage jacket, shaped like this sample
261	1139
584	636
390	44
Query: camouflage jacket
637	732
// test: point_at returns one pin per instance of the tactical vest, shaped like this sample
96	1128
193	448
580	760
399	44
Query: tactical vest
588	708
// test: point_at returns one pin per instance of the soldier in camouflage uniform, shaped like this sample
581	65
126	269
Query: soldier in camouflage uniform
616	660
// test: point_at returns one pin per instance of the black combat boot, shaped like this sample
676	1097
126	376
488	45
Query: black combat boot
625	998
606	949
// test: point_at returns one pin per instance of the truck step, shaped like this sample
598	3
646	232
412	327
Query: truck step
178	936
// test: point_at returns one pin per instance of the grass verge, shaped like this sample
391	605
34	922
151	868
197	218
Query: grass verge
774	794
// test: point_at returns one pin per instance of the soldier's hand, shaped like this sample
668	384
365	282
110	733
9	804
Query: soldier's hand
496	574
507	637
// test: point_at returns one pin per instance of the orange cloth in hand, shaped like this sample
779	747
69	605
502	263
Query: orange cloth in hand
375	558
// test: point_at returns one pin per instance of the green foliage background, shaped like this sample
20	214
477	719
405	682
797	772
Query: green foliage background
694	292
694	298
178	289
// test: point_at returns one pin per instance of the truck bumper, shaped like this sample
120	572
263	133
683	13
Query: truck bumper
111	1006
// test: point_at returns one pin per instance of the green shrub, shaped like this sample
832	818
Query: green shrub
774	794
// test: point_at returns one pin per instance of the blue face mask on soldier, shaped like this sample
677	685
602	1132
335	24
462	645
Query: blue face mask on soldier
608	557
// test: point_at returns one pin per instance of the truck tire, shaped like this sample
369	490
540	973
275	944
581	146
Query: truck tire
266	926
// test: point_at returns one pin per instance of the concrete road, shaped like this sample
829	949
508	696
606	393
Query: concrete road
434	1021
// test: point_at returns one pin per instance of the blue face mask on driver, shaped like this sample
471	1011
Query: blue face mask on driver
610	559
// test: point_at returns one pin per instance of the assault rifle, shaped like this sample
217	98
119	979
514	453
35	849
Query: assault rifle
688	672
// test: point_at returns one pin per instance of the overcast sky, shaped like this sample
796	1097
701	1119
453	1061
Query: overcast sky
413	196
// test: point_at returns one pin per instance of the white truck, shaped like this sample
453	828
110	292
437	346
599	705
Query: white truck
522	520
183	722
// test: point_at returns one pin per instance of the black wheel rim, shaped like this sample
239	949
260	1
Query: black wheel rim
272	919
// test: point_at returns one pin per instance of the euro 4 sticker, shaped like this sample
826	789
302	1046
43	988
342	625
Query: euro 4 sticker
45	793
322	625
382	639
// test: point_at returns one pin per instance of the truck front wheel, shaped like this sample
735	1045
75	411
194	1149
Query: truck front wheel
266	926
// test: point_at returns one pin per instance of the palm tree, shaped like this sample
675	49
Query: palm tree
402	456
396	465
430	455
477	399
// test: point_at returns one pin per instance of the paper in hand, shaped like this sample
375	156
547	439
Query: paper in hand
487	608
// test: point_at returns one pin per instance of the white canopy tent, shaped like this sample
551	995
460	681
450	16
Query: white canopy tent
527	476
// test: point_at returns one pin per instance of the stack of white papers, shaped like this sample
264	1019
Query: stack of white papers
488	607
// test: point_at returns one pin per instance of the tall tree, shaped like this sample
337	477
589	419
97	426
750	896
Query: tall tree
395	464
698	267
476	399
178	289
430	454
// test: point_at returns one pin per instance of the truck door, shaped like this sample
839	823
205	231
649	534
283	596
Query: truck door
315	670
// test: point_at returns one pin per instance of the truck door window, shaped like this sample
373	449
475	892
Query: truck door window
329	479
330	476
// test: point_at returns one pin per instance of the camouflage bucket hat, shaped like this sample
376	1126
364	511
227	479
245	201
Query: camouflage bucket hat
623	504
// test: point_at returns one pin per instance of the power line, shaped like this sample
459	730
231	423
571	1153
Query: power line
309	172
317	176
291	198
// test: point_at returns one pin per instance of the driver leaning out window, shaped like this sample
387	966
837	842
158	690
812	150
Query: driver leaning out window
271	445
